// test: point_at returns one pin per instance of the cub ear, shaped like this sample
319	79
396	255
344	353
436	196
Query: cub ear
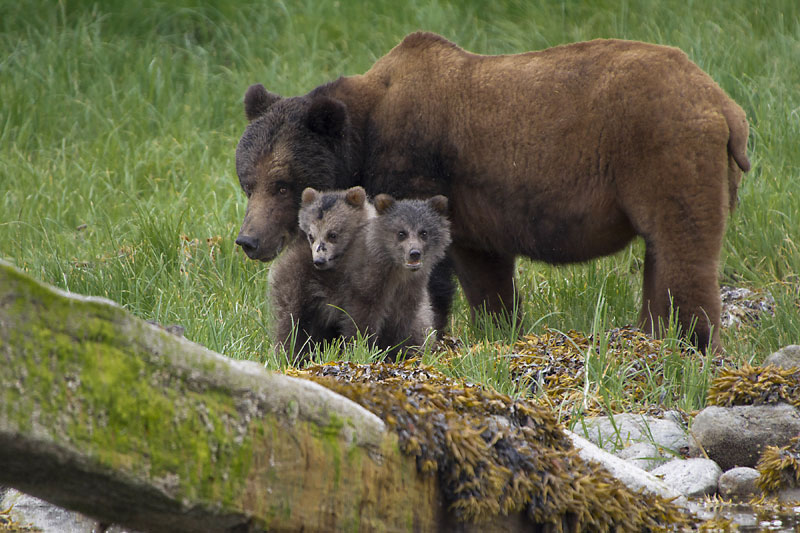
382	203
355	196
327	116
439	204
257	100
308	196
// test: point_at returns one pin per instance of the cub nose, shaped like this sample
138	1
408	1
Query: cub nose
320	261
248	243
415	255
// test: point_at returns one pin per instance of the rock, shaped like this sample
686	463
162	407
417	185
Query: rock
690	477
630	475
33	512
736	436
739	483
786	357
789	495
644	455
615	433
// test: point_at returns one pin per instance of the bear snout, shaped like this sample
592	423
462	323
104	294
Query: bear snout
259	250
248	243
321	263
414	261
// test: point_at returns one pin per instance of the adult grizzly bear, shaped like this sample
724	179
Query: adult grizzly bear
560	155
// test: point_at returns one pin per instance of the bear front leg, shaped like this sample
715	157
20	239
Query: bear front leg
487	280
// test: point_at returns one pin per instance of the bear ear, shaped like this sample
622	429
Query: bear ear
309	195
439	204
355	196
257	100
327	116
382	203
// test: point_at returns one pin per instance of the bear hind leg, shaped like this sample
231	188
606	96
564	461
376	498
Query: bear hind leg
674	280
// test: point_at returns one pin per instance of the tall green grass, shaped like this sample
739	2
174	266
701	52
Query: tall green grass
118	123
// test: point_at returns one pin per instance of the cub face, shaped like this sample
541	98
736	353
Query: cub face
331	222
413	233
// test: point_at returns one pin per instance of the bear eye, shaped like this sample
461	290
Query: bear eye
332	236
281	188
401	235
311	238
423	234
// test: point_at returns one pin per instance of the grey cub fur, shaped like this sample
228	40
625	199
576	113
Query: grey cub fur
364	269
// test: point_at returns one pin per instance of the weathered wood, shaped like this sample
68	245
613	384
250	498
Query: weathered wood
103	413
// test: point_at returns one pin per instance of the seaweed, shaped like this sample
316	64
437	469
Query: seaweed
493	454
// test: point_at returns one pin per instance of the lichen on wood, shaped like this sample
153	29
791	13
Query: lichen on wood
99	409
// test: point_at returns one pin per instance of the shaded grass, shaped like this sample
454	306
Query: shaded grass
118	122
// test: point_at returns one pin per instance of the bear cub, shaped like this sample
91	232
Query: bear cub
364	269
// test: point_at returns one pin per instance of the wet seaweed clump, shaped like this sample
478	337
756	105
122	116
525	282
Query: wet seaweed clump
493	454
553	366
779	467
750	385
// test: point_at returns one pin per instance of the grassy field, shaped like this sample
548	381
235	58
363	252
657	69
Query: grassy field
118	123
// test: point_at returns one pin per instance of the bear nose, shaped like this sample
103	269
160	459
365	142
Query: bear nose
415	255
248	243
319	261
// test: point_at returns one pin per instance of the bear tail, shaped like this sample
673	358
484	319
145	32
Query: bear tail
737	148
739	131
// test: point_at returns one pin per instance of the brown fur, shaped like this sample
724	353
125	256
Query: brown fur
561	155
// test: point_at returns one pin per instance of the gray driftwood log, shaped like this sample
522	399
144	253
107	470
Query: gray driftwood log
105	414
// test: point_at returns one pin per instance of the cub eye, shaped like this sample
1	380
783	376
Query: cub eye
332	236
423	234
310	238
282	190
401	235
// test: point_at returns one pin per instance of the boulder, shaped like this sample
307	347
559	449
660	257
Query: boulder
736	436
739	483
786	357
690	477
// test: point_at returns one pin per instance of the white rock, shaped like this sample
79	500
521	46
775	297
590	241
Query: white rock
629	475
690	477
615	433
644	455
29	511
